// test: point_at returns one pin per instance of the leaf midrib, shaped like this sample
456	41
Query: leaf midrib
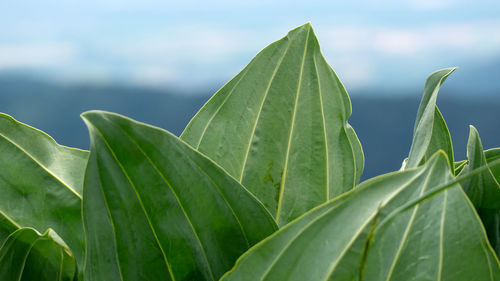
292	125
167	264
257	119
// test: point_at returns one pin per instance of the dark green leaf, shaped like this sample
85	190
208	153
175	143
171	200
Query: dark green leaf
156	209
40	183
430	133
491	222
27	255
280	128
347	238
6	227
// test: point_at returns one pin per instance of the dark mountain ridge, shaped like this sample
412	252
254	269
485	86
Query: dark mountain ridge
384	124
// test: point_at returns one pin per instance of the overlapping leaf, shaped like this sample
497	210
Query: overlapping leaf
347	239
40	183
492	155
280	128
484	189
6	227
156	209
28	255
430	133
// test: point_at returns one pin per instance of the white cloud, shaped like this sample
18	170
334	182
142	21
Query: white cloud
154	75
27	55
431	4
189	44
455	37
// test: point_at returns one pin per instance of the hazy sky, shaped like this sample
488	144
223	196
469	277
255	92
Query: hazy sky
383	44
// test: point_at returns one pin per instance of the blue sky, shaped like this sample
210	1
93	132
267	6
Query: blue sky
387	45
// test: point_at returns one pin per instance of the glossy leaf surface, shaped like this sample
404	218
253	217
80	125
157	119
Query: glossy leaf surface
156	209
280	128
40	183
347	239
430	133
27	255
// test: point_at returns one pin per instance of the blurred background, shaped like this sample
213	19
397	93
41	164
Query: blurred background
159	61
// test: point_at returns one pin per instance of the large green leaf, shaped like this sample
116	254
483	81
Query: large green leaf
156	209
28	255
430	133
348	238
280	128
483	189
40	184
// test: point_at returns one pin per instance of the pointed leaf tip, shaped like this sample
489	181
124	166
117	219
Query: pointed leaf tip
280	128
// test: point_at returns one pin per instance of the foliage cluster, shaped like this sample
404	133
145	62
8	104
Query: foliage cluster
263	184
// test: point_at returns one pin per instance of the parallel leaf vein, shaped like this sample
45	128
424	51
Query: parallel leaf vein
407	232
219	107
275	71
327	168
195	232
223	197
292	125
167	264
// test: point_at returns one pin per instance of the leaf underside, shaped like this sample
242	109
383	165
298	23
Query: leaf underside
430	132
347	239
484	189
280	128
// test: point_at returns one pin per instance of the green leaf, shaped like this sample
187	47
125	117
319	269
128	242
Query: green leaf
6	227
483	189
280	128
430	133
27	255
348	238
459	166
492	155
491	222
40	183
156	209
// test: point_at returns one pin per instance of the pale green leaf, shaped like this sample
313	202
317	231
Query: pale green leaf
439	239
280	128
430	132
483	189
